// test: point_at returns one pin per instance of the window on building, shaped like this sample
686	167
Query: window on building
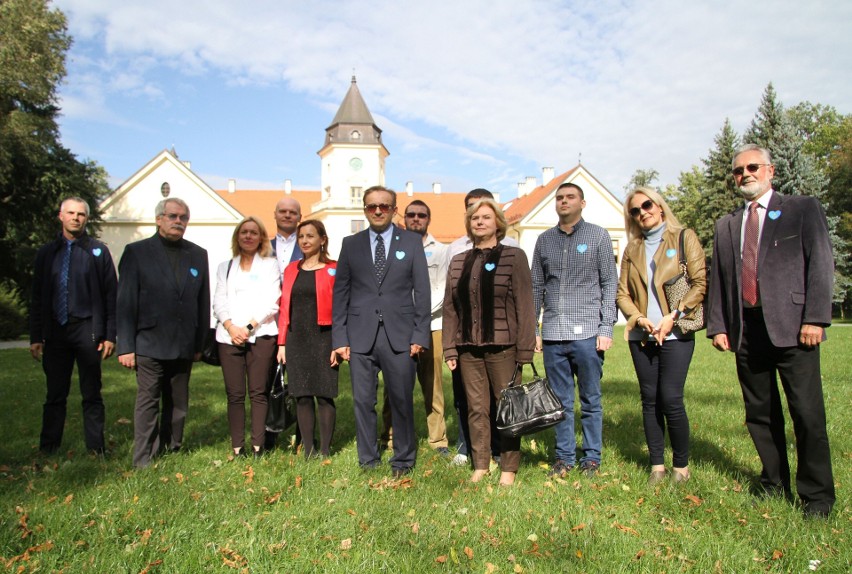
355	194
356	135
165	189
356	225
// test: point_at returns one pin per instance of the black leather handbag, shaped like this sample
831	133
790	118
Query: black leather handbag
210	351
676	288
281	413
528	408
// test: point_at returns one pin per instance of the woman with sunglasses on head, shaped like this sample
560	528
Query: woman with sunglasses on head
304	336
245	304
489	327
661	351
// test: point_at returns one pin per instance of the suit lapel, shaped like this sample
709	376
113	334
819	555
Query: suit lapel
770	225
735	227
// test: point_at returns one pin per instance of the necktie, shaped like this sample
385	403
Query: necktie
750	256
380	256
62	311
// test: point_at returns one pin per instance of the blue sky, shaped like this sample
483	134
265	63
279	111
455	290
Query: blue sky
469	94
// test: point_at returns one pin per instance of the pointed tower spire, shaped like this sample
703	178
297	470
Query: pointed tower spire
353	122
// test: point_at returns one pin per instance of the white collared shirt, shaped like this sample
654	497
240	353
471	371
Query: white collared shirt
284	249
387	234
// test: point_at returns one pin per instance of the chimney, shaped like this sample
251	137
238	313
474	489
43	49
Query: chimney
436	188
187	164
409	188
232	185
521	186
288	186
531	183
547	174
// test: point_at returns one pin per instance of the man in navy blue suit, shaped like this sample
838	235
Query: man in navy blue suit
381	322
163	317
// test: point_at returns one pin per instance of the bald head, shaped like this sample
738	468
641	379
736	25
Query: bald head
288	213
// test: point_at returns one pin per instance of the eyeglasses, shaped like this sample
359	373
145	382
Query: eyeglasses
383	207
752	168
175	217
646	206
413	215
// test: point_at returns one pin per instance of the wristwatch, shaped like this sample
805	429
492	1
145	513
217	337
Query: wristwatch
249	327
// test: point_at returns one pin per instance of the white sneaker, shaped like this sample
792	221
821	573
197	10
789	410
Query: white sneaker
459	460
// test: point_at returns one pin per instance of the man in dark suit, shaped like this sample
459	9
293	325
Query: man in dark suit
770	302
72	318
163	315
381	322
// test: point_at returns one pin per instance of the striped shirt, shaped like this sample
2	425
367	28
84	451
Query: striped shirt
574	280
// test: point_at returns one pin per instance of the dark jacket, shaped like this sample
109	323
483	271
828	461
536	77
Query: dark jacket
99	271
161	315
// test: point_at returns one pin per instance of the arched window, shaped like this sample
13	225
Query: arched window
165	189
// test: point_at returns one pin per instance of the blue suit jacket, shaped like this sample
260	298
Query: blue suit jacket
795	271
160	315
401	297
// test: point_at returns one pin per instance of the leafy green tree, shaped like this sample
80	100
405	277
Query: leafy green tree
705	195
36	171
642	178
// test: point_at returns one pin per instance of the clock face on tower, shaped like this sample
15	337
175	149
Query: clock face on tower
356	163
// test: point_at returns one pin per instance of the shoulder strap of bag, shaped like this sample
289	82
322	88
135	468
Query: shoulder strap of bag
519	369
681	249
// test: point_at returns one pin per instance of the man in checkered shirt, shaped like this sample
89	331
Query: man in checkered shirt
574	283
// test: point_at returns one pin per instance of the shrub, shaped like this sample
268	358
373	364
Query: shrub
13	312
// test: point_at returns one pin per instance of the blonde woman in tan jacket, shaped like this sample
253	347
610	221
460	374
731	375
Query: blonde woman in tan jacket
661	351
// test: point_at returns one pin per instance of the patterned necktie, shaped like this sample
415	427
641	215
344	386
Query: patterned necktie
750	255
62	311
380	256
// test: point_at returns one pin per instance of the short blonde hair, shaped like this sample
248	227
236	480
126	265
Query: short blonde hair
264	249
502	226
630	223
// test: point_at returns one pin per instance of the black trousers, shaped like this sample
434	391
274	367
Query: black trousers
759	365
662	370
67	344
153	431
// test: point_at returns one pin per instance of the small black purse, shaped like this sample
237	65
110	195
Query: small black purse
528	408
281	413
210	350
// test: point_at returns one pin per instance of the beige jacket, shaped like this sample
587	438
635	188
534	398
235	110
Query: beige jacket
632	297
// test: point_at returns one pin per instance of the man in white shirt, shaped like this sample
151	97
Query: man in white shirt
285	247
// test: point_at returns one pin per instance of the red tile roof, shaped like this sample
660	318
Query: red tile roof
521	206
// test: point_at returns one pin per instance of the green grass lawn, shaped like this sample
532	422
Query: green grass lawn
197	511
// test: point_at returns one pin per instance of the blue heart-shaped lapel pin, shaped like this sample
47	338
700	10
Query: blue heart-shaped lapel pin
193	271
332	271
428	253
490	266
671	252
400	255
773	215
582	248
96	251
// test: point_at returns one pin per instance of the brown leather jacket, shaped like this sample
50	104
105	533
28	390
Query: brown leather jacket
632	297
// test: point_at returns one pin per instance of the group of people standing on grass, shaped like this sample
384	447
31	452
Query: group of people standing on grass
396	301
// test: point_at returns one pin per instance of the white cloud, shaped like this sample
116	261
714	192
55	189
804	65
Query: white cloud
629	84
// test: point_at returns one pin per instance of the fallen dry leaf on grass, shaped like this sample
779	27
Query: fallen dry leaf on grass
231	559
249	474
468	551
693	499
150	565
346	544
441	559
579	527
626	529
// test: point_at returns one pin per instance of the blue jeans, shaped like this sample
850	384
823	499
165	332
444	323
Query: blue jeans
563	360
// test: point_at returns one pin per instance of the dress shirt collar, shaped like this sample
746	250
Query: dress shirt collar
762	201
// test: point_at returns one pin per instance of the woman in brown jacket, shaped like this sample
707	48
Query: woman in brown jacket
488	327
661	351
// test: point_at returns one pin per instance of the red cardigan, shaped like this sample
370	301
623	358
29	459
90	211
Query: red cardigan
325	290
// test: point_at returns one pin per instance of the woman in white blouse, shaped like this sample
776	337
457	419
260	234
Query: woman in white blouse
245	305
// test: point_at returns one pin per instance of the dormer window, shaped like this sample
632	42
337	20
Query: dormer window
355	135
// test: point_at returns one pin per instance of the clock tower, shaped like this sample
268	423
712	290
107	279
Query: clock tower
353	157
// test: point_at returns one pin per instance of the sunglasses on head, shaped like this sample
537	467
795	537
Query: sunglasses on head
646	206
413	215
752	168
383	207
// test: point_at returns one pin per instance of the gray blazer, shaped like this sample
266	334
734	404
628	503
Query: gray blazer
795	271
402	297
